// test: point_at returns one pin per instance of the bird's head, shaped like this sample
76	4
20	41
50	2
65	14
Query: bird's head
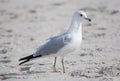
80	16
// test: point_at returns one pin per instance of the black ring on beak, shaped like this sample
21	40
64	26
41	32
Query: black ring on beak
88	19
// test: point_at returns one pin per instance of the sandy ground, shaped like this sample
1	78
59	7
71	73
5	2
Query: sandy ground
27	24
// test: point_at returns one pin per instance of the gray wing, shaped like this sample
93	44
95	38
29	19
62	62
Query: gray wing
53	46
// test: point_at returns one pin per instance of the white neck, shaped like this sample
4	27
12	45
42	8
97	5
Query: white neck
75	26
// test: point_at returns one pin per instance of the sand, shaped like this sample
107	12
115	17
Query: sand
27	24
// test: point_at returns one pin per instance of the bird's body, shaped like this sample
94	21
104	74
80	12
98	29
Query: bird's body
62	44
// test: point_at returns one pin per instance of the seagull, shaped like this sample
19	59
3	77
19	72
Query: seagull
62	44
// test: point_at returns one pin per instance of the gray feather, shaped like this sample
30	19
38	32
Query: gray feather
53	45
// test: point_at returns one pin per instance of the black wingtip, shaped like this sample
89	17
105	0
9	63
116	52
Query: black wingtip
19	59
24	62
28	58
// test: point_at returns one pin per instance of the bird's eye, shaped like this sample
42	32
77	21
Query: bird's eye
81	15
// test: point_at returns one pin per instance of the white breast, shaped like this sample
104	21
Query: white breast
72	46
77	39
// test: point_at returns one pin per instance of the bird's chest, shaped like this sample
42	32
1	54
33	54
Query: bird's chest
71	46
74	43
76	39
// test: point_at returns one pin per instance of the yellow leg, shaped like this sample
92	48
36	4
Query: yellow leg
63	65
54	66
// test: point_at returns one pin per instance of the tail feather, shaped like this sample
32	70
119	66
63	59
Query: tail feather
28	58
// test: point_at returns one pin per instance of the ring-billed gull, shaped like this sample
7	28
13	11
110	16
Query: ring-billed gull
62	44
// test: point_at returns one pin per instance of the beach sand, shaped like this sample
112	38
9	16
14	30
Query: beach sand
27	24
